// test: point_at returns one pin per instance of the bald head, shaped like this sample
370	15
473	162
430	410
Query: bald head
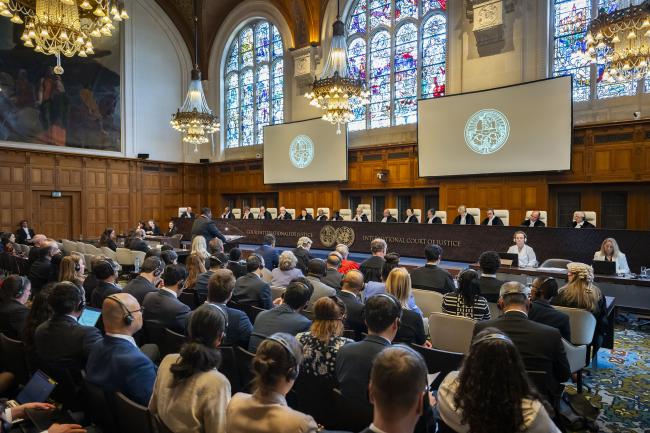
353	281
39	240
114	310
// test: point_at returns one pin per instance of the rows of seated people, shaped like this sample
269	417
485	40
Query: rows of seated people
217	345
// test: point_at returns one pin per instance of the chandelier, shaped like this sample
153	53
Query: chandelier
335	92
195	119
619	41
56	27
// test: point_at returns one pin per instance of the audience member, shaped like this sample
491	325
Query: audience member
163	306
14	293
346	265
200	249
238	325
268	252
302	253
463	217
542	291
169	257
351	287
137	243
172	230
204	226
107	239
491	219
195	266
24	234
397	391
580	221
264	214
489	285
467	301
39	241
388	217
431	276
250	289
286	270
117	364
410	217
147	281
287	316
247	215
360	216
411	327
188	213
215	246
275	369
39	312
373	288
432	218
332	275
354	361
235	263
316	269
526	255
73	268
201	286
7	243
336	217
91	281
533	220
44	269
61	342
105	271
609	252
320	215
154	252
190	394
540	345
580	292
322	342
492	393
9	414
371	267
284	215
304	215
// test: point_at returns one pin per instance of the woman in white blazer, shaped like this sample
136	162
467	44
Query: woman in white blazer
526	254
609	252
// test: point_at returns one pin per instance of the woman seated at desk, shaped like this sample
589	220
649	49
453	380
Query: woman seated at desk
526	254
609	252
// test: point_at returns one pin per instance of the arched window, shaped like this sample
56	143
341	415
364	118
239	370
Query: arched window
570	24
253	84
398	48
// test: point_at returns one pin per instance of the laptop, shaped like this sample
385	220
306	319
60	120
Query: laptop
89	316
602	267
509	259
37	390
43	419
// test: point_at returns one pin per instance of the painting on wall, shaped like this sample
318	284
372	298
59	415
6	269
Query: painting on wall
79	109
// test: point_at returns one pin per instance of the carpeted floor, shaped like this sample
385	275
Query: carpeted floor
620	383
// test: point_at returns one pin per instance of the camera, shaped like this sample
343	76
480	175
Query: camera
636	115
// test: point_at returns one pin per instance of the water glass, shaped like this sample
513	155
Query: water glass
644	272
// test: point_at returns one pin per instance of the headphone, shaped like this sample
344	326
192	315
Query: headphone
82	303
514	237
292	373
22	285
394	301
223	313
128	318
493	337
159	267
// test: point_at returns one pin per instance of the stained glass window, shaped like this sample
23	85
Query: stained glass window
254	84
398	48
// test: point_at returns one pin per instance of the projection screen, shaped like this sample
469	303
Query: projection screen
305	151
522	128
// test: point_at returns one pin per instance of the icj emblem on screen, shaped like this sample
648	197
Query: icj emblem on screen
486	131
301	151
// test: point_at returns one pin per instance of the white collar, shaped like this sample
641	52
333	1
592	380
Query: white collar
76	319
123	337
347	291
375	429
489	275
170	291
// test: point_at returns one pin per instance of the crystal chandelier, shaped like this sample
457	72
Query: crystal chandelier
56	27
195	119
335	92
619	41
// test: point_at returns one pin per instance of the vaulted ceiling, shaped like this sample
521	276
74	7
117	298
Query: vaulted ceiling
304	18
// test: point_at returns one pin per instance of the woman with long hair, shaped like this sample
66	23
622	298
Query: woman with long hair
107	239
286	270
39	312
580	292
190	395
610	252
322	342
200	249
195	266
73	269
467	301
275	369
492	393
411	328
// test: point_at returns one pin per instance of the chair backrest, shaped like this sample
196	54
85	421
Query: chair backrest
237	213
590	216
154	332
188	297
98	407
494	310
439	361
476	213
172	342
244	360
326	212
277	291
267	276
429	301
451	333
543	216
123	256
315	396
13	354
255	211
228	368
291	212
418	214
178	236
394	213
582	323
310	210
504	215
273	211
555	263
137	254
91	249
442	215
131	417
107	252
68	246
346	214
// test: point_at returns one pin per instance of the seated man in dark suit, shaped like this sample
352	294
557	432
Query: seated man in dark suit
398	383
320	215
38	242
540	346
432	218
116	364
316	270
251	289
235	263
268	252
147	281
44	269
410	217
138	243
463	217
238	325
264	214
204	226
371	267
491	219
24	234
152	229
388	218
188	213
14	293
354	360
247	214
541	310
286	317
105	271
490	286
533	220
61	342
304	215
163	306
201	287
351	287
580	221
284	215
430	276
360	216
332	275
227	213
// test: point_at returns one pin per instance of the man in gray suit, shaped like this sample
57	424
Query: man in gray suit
286	317
204	226
163	305
315	271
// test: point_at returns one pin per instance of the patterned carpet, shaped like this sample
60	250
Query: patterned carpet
620	383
